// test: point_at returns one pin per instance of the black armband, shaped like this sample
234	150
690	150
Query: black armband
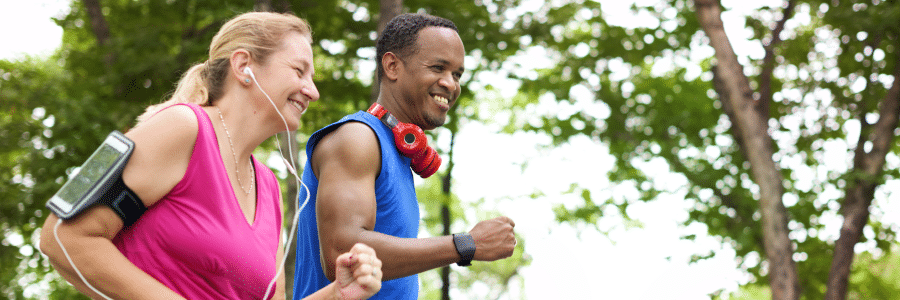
124	202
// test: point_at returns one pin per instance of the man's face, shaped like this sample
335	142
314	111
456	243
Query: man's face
429	80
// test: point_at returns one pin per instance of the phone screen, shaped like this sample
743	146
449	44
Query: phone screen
90	173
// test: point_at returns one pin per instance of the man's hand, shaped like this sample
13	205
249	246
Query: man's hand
494	239
358	273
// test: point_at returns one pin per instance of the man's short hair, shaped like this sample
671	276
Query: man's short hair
401	33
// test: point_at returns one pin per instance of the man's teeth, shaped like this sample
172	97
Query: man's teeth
441	99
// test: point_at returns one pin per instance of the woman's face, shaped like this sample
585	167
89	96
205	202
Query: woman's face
287	77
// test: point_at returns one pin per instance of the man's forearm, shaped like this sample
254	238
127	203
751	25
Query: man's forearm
403	257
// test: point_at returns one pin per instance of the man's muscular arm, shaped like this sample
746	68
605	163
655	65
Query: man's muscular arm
346	162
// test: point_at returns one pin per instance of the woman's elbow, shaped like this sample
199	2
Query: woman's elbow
47	244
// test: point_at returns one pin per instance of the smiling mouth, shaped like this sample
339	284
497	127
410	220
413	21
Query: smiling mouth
442	100
298	105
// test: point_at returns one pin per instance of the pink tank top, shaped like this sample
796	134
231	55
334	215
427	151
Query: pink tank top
196	241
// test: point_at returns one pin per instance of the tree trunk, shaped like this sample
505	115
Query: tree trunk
445	271
446	217
753	135
98	21
389	10
100	28
768	65
263	5
869	167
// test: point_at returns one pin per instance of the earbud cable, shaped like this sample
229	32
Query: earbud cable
66	253
290	168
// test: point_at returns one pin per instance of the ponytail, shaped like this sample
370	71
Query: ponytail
191	88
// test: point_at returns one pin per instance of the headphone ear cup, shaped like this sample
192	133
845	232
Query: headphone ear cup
426	163
409	139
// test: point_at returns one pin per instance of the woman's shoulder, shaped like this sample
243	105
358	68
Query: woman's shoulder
174	124
164	144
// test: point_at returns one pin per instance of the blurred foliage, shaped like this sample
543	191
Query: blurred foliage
877	277
657	101
34	98
499	276
873	278
750	292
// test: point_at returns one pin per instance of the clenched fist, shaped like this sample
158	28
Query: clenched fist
358	273
494	239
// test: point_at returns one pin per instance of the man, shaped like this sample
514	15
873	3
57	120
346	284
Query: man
361	186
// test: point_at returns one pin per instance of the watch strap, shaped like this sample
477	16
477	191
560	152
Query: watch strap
465	246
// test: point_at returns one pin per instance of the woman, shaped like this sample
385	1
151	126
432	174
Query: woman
213	224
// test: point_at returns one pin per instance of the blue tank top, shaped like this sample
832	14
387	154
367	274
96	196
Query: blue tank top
397	212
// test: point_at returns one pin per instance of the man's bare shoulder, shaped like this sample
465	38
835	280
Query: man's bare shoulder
353	145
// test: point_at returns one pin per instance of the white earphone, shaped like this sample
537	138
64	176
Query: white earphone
250	72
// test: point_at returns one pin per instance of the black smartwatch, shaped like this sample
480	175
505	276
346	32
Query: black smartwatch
465	246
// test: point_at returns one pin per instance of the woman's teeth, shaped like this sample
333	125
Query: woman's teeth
441	99
297	105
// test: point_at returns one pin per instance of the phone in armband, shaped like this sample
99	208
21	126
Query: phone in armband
99	180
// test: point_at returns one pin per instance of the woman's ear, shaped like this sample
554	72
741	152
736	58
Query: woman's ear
391	65
239	60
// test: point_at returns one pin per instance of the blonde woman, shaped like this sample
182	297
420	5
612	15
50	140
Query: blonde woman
213	224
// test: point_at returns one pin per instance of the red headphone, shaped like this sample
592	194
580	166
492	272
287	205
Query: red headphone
411	141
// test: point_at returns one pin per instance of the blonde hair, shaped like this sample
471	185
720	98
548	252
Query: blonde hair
256	32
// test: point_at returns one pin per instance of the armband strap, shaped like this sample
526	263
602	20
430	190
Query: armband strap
124	202
465	246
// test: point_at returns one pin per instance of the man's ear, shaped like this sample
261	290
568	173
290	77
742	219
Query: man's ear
391	64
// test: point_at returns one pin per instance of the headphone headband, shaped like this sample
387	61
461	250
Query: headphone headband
410	141
382	114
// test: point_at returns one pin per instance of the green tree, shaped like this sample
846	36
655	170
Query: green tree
34	100
749	135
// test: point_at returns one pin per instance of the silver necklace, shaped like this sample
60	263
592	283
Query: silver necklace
233	155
